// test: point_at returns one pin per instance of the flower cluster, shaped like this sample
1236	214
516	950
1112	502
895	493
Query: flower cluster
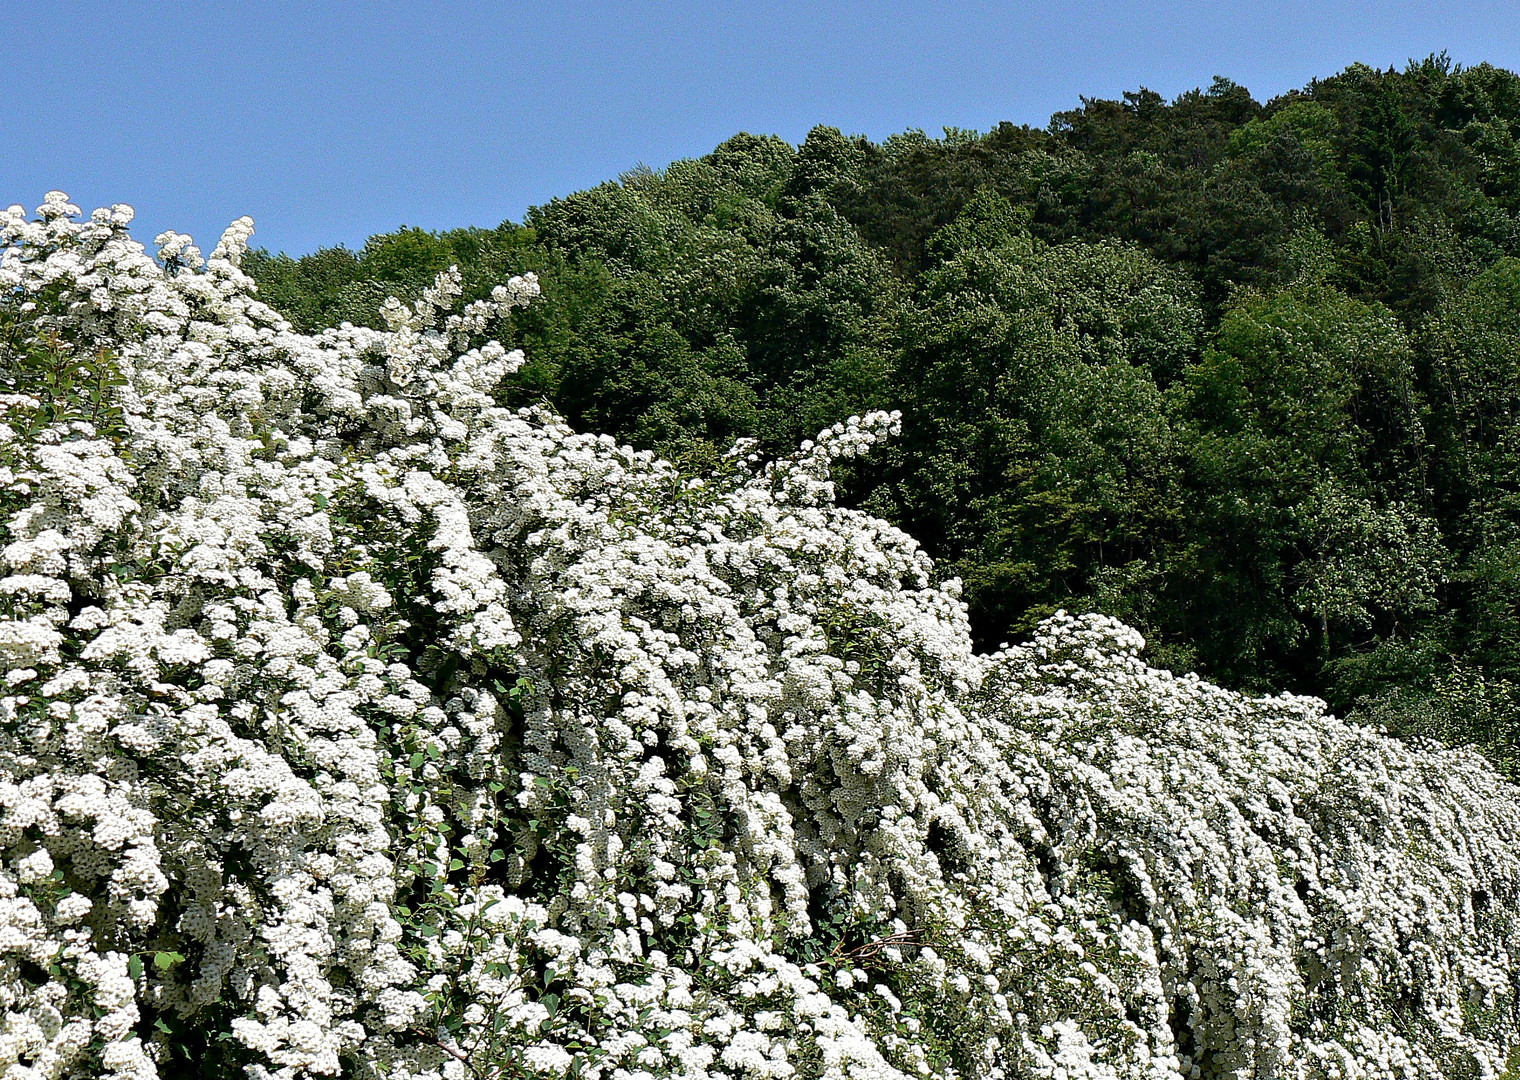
354	725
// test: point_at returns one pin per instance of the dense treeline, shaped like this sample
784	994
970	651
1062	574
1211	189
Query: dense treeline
1246	376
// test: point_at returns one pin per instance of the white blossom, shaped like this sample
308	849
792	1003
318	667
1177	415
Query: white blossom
397	734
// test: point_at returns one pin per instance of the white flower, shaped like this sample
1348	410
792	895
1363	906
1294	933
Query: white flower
421	738
34	867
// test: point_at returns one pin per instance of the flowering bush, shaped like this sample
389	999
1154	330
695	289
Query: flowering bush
352	725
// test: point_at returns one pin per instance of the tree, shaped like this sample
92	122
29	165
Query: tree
1036	449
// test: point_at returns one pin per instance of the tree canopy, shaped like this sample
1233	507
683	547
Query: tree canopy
1240	373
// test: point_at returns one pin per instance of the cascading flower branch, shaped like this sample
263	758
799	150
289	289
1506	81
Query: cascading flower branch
352	725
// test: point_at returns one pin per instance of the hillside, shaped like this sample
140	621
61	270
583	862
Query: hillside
1243	375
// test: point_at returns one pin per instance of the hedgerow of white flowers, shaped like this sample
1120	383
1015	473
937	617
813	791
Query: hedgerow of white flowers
353	725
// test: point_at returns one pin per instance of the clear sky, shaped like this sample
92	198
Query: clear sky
329	122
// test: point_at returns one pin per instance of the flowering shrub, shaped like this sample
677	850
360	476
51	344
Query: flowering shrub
352	725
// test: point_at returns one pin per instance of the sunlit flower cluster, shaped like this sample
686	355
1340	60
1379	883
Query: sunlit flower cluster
353	725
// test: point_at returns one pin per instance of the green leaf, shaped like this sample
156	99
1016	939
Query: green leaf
135	967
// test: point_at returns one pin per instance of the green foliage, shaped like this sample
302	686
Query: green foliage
335	285
1036	447
1243	374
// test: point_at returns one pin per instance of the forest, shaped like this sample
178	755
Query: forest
1026	605
1243	375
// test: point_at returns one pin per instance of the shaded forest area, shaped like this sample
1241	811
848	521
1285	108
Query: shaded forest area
1245	375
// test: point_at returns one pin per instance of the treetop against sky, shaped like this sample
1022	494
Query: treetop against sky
329	122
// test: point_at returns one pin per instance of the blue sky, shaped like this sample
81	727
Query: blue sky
329	122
